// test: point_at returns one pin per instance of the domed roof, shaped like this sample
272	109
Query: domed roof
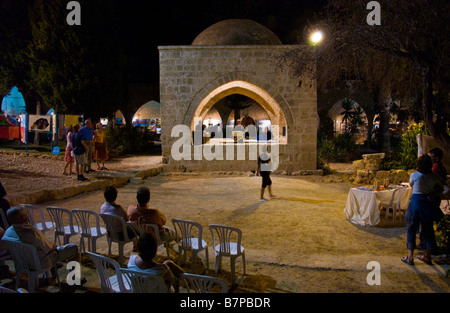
236	32
151	109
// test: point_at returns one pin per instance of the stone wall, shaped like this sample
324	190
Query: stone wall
188	74
368	171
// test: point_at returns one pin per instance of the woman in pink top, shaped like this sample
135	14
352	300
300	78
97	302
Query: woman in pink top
68	157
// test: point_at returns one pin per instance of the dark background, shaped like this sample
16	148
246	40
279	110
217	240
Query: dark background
149	24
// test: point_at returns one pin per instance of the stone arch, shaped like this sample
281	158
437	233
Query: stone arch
336	108
270	99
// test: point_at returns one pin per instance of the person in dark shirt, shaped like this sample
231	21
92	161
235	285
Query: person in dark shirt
79	148
88	134
436	155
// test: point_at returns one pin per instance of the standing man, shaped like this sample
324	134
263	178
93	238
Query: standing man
79	149
437	155
88	134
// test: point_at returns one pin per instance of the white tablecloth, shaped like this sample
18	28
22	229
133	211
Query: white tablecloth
363	206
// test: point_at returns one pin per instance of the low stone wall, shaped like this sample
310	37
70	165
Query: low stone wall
367	170
365	177
71	191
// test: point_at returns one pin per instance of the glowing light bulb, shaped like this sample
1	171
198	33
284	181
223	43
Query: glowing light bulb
317	37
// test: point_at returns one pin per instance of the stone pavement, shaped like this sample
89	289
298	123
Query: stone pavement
299	242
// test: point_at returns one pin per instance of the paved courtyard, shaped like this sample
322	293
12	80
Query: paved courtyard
298	242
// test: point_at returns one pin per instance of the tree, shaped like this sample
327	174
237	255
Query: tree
77	69
15	37
347	105
406	52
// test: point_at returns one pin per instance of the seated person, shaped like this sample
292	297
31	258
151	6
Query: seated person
168	271
4	204
111	207
3	249
21	230
141	213
4	269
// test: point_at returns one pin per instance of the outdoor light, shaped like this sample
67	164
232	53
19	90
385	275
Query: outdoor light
316	37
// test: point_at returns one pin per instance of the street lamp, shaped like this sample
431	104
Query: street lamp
316	37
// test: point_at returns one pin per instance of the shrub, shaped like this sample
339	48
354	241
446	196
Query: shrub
408	144
129	140
404	149
443	235
341	148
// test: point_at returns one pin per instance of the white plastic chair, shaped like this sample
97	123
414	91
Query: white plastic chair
142	282
113	234
391	206
26	261
89	222
4	219
37	219
227	242
191	240
202	284
4	255
397	207
7	290
63	227
150	228
109	282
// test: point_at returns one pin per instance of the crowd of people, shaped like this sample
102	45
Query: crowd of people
145	245
85	144
428	184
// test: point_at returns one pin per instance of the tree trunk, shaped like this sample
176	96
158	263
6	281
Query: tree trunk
439	132
385	102
370	118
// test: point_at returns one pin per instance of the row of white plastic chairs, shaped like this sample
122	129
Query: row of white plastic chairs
88	226
124	280
26	261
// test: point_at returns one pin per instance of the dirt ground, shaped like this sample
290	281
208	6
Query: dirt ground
299	242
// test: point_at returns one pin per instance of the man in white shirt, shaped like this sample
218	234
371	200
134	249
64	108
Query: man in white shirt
21	230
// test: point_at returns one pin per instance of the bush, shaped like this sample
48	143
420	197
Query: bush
443	235
408	144
341	148
404	152
129	140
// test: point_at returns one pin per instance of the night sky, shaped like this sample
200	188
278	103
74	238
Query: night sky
149	24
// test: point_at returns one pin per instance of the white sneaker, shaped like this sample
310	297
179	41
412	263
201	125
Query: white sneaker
262	200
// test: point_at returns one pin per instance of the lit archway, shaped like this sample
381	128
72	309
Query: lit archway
256	93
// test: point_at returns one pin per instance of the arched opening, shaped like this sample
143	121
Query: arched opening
249	100
349	117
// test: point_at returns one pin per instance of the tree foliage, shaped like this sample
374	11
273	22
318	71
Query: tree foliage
406	57
72	69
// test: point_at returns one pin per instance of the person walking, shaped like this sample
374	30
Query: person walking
264	171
